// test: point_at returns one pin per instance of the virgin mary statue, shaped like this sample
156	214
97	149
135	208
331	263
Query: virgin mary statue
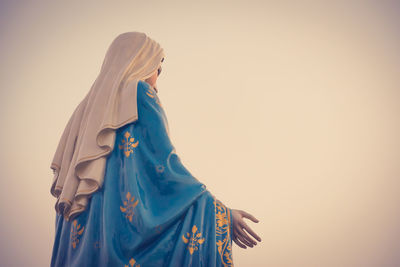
123	196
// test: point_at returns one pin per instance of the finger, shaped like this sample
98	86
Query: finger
238	242
244	241
246	236
249	216
250	231
239	239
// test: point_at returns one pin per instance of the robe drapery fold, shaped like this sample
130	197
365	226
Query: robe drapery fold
150	211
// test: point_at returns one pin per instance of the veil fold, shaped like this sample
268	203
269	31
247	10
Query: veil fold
89	136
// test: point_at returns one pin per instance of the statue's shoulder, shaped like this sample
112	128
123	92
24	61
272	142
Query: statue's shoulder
143	86
147	97
143	89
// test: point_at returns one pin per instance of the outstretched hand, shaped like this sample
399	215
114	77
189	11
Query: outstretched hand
240	237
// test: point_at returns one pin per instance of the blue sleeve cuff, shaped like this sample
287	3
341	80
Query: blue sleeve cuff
230	222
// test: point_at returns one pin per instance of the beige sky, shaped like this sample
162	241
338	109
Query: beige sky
288	110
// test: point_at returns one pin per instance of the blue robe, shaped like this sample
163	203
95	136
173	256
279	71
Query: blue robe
150	210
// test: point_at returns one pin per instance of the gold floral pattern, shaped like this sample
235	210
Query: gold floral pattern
132	263
160	168
223	238
128	144
76	231
129	205
151	94
194	239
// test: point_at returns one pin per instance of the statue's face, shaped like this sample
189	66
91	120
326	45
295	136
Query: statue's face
153	79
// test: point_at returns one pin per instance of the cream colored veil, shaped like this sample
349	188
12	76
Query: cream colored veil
80	158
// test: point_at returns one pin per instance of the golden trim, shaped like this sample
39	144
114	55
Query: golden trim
223	235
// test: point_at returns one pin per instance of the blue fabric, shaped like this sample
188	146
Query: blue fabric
150	210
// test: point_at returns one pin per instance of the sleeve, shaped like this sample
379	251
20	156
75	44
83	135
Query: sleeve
230	221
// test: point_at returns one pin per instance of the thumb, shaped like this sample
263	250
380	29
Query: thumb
249	216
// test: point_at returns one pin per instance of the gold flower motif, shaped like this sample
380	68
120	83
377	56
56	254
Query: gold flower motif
193	239
132	263
76	231
159	168
129	205
221	219
151	94
128	144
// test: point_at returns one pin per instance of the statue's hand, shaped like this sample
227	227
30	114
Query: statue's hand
240	237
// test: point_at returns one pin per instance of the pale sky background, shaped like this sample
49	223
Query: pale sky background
288	110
